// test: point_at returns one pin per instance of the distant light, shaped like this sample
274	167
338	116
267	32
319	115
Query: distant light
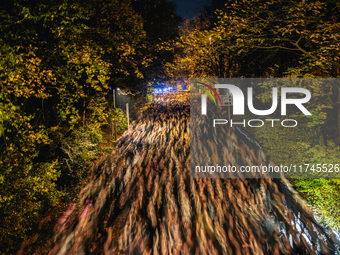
118	88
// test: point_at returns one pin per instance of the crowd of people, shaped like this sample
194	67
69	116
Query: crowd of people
142	200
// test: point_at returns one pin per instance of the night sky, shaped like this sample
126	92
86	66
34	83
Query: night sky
187	8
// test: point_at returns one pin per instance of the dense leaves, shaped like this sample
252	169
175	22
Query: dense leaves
251	38
58	60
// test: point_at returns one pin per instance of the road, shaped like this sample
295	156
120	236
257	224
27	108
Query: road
141	200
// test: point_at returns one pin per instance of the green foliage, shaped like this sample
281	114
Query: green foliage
26	188
324	196
23	198
79	150
321	153
301	146
321	103
57	62
120	117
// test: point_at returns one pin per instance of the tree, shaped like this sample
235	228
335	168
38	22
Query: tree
276	39
272	38
161	28
55	64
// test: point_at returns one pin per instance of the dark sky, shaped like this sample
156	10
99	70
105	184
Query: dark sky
186	8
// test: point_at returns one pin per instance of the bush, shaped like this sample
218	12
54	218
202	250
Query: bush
323	194
120	117
300	146
78	151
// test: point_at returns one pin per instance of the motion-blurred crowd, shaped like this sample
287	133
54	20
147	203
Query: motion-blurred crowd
141	200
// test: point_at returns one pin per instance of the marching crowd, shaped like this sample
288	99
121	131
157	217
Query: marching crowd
142	200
